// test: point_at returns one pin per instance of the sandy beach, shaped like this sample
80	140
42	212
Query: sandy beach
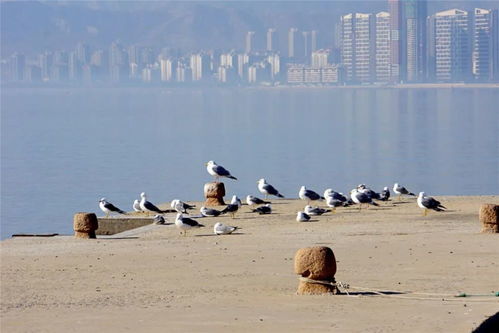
155	280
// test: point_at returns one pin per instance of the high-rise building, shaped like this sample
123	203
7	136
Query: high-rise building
383	65
314	35
357	47
242	61
292	42
227	59
166	69
451	43
82	53
397	65
17	66
414	40
249	41
275	65
271	40
196	64
485	41
320	58
306	44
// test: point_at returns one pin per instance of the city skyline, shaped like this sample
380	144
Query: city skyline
392	46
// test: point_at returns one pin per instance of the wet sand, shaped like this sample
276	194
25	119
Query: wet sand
157	280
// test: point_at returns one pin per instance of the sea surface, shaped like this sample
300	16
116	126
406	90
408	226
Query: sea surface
64	149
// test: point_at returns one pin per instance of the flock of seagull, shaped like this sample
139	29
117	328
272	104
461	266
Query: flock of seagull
361	195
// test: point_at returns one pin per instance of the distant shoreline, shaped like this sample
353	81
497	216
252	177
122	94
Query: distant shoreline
256	87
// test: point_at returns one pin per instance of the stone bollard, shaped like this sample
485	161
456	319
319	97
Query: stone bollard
317	267
489	217
214	193
85	224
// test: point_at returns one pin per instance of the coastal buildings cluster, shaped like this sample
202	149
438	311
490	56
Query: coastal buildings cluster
401	45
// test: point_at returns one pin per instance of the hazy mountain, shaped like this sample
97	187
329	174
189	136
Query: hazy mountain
33	26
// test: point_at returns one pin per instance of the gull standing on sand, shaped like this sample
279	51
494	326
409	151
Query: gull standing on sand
335	199
136	206
267	189
302	217
109	208
180	206
236	201
429	203
231	209
267	209
385	194
147	206
218	171
308	195
222	229
400	190
209	212
185	223
309	210
251	201
362	188
361	198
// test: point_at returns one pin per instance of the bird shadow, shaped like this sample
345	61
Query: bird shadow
213	235
119	238
371	293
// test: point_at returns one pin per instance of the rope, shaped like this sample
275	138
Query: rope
387	293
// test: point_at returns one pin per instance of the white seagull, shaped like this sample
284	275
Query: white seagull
185	223
222	229
267	189
218	171
136	206
251	200
209	212
109	208
400	190
236	201
180	206
361	198
308	195
429	203
147	206
302	217
267	209
309	210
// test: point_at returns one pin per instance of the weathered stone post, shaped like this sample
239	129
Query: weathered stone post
317	267
214	193
489	217
85	224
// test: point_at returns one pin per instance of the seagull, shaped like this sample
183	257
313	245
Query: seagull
147	206
109	208
429	203
136	206
308	195
361	198
315	210
302	217
236	201
180	206
267	189
185	223
251	200
222	229
362	188
267	209
158	219
335	199
209	212
385	194
218	171
231	209
401	190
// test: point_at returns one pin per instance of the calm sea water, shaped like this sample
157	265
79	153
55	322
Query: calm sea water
62	149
